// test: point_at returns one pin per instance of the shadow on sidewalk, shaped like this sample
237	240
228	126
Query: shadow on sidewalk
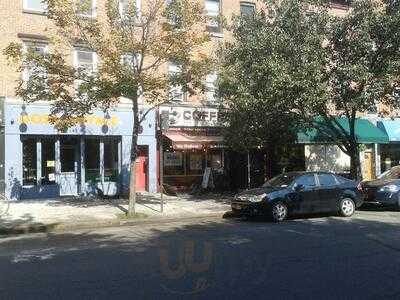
24	224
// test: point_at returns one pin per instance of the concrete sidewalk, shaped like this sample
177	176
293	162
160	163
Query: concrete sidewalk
70	213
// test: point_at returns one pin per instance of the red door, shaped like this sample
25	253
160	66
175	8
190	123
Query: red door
141	169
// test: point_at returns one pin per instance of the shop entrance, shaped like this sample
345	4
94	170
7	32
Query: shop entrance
69	166
141	169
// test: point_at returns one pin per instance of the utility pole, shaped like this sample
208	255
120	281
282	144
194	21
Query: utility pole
248	169
164	125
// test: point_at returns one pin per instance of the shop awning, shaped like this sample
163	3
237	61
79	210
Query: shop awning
391	128
182	140
366	133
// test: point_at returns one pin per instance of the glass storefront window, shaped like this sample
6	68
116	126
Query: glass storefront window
174	163
111	160
29	159
48	161
195	163
67	154
92	160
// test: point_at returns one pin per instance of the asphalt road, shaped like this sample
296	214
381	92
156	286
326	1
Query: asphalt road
317	258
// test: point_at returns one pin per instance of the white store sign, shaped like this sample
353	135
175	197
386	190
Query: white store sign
192	116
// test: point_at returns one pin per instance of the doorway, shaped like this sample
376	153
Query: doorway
141	169
69	166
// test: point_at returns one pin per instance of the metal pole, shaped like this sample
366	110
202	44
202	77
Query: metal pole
161	172
248	169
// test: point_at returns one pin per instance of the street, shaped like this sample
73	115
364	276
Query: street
322	257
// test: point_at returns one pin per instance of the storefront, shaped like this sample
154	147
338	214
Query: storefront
90	158
390	153
322	154
191	145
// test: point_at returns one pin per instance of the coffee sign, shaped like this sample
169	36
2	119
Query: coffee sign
192	116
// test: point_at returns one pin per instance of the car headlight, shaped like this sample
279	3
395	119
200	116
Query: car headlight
392	188
257	198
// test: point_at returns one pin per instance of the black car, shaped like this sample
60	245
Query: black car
385	190
300	193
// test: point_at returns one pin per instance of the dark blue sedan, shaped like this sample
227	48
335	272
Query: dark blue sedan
385	190
300	193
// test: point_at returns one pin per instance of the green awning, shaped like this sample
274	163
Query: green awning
366	133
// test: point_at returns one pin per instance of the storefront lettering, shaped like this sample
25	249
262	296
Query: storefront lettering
42	119
195	115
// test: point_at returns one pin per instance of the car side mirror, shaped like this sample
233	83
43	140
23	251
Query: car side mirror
298	187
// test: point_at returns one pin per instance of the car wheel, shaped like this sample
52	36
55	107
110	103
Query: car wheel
279	212
347	207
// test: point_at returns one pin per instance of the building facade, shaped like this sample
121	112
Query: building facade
93	157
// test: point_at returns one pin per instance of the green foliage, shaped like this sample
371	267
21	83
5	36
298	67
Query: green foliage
133	49
297	62
269	71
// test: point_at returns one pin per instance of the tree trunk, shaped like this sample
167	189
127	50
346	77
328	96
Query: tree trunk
132	181
355	165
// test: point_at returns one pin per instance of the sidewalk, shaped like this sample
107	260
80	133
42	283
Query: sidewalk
72	213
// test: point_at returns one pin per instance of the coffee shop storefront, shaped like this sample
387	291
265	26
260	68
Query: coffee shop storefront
192	144
91	158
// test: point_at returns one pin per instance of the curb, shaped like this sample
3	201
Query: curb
60	227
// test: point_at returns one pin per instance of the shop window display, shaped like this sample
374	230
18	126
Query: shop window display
111	160
92	160
48	161
29	161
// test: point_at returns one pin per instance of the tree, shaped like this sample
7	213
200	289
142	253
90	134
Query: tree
321	67
363	68
133	46
270	68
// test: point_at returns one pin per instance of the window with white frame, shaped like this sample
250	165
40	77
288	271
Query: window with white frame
85	60
210	86
213	10
86	8
247	9
125	5
175	91
38	48
34	5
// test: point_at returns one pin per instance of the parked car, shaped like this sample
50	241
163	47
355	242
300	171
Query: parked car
300	193
385	190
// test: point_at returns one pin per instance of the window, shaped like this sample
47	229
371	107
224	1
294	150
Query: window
111	160
213	10
172	13
174	163
92	160
48	161
86	8
31	69
247	9
34	5
306	180
126	7
210	86
29	162
326	179
67	154
85	60
175	91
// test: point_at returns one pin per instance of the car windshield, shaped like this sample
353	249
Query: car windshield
282	180
393	173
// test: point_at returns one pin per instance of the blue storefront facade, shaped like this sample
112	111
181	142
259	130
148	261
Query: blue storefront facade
90	158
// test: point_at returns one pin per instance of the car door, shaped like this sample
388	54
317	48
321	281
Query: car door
304	199
328	192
